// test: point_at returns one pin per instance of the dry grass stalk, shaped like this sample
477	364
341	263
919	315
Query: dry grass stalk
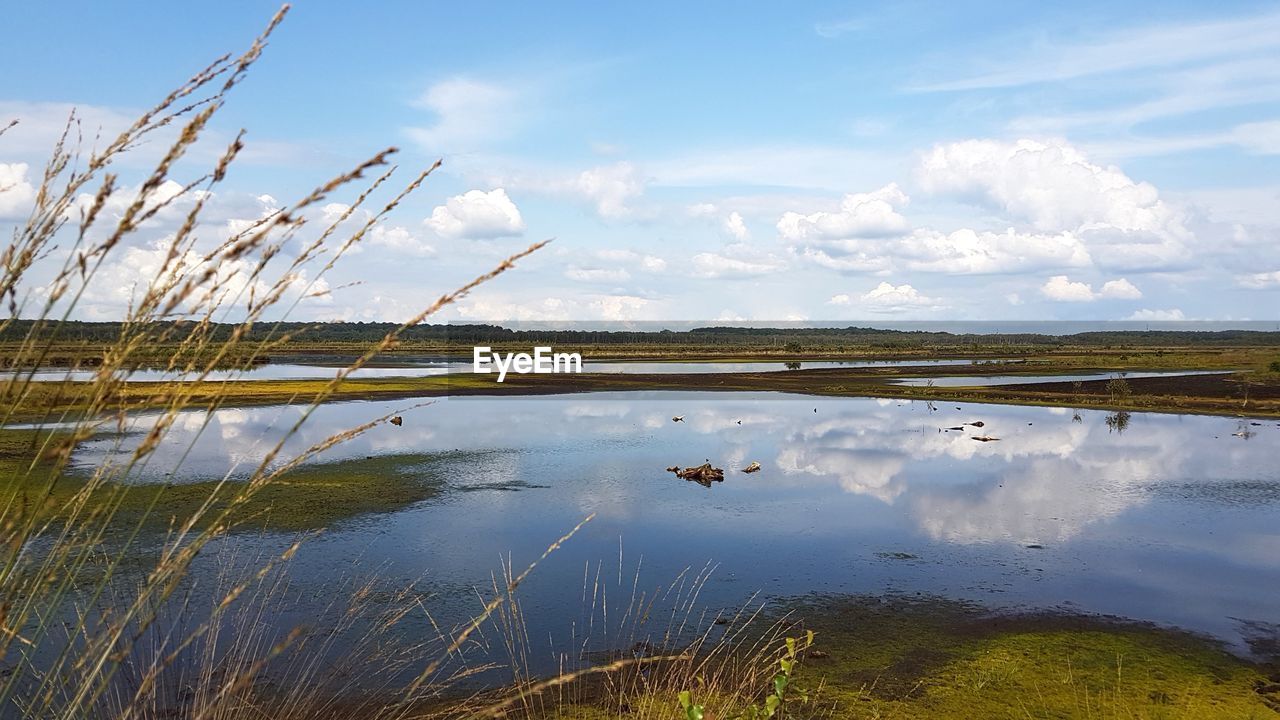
85	630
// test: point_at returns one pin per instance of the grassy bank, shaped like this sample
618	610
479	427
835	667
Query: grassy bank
306	498
924	657
1254	390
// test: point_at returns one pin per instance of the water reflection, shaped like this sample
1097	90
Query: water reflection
1171	520
986	380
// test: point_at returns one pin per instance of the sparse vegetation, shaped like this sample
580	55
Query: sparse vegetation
1119	390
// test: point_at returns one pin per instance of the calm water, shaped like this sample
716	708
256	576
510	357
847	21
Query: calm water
1173	520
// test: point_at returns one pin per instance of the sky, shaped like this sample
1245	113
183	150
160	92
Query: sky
720	162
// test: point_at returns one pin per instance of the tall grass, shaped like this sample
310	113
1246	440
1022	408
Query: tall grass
99	618
80	633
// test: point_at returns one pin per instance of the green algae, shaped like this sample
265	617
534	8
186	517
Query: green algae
910	658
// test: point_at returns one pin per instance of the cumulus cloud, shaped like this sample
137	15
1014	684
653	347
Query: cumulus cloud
610	189
468	114
1158	315
1120	289
476	215
887	297
1259	281
393	238
495	309
398	239
618	307
861	215
132	270
16	192
734	225
638	261
597	275
968	251
1062	289
1063	211
737	260
1056	188
731	224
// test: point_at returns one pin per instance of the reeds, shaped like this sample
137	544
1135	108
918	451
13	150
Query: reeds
99	618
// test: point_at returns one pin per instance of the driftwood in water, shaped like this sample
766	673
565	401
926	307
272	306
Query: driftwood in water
704	474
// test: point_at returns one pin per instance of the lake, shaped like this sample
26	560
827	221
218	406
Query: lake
1164	518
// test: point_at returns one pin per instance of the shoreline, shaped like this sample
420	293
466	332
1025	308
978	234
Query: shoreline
1222	394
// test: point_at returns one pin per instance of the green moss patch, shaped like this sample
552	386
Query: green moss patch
309	497
914	658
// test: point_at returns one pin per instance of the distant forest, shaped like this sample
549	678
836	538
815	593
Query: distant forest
797	337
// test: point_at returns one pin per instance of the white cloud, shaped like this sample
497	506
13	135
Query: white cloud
1062	289
399	240
861	215
639	261
712	265
16	192
969	251
610	188
702	210
735	226
469	114
1158	315
1259	281
839	299
494	309
597	275
737	260
132	270
1052	185
476	214
1127	49
887	297
1120	289
619	307
1056	188
1262	138
394	238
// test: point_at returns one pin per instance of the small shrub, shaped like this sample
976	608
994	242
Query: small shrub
778	695
1119	390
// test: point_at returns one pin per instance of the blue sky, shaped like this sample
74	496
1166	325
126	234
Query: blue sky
728	161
